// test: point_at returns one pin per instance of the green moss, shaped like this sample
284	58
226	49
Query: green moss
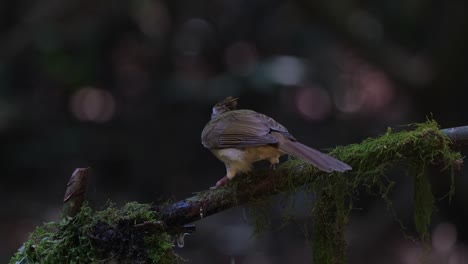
328	244
160	246
423	201
259	210
81	240
99	237
424	145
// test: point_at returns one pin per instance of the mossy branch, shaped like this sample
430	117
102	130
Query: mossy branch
425	145
369	159
139	233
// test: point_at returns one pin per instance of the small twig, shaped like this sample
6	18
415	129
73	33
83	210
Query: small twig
160	225
151	225
458	135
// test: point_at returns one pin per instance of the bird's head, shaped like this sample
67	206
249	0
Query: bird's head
228	104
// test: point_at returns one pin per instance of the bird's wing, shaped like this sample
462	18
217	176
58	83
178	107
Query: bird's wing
242	128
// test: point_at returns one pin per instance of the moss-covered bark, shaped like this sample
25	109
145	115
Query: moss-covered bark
108	236
117	234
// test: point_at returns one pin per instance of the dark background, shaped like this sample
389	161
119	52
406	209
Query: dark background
126	87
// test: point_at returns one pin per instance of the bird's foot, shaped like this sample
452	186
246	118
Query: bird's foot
273	162
221	182
273	166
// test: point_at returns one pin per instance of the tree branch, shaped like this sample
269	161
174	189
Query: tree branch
257	186
458	135
140	232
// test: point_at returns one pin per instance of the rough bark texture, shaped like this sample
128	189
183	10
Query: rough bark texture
75	193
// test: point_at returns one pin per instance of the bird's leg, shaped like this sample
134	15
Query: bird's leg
229	175
221	182
273	162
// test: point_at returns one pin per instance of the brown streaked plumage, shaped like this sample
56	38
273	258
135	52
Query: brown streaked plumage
241	137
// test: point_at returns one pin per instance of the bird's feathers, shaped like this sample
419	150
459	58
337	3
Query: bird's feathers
241	128
238	129
320	160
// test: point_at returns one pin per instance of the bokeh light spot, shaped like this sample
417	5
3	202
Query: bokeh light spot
459	255
378	90
364	89
92	104
313	103
349	99
444	237
287	70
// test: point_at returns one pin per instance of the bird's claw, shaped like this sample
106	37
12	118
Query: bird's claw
221	182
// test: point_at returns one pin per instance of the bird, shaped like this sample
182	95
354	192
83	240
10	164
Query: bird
240	137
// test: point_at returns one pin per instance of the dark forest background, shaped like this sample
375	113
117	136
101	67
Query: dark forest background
125	87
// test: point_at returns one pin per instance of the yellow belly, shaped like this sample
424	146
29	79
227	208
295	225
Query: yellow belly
241	160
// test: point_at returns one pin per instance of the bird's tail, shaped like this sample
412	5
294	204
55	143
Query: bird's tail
320	160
